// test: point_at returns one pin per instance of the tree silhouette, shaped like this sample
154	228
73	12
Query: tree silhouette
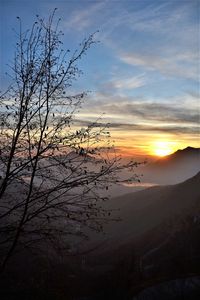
52	174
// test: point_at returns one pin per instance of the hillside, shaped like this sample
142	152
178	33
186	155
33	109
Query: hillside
156	242
142	211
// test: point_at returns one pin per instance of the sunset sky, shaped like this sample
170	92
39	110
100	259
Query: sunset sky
144	73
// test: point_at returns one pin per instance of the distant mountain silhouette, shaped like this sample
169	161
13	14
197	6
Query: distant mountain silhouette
183	154
174	168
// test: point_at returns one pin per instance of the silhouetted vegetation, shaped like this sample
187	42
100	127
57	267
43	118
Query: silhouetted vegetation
52	173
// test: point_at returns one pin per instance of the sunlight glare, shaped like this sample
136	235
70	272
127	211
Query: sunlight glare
162	148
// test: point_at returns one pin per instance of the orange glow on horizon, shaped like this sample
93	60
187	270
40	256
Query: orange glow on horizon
143	145
163	148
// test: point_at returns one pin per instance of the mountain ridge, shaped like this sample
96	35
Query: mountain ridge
180	152
174	168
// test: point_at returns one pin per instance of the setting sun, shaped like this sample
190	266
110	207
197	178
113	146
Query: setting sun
162	152
162	148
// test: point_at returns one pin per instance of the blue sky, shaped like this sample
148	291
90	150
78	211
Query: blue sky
144	73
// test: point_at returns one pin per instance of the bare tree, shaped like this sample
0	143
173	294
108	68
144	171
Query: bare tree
51	174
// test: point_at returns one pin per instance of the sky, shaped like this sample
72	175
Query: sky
143	75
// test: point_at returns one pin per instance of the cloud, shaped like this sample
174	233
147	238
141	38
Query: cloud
154	112
130	118
179	109
157	36
84	17
173	65
154	37
128	83
125	127
163	38
159	128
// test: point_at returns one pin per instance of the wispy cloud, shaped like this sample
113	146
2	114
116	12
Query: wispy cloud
148	115
169	65
127	83
155	112
163	38
126	127
84	17
163	32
